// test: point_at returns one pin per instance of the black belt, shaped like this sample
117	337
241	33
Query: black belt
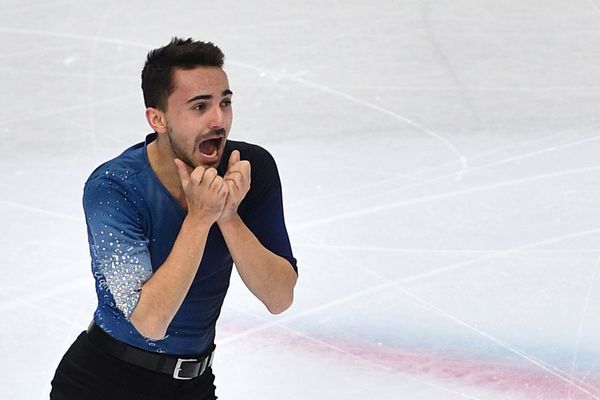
179	368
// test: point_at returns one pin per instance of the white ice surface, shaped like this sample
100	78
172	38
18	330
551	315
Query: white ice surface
440	163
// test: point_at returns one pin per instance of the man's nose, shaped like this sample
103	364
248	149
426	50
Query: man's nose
217	118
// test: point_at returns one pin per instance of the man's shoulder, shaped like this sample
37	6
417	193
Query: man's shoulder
118	179
243	146
123	167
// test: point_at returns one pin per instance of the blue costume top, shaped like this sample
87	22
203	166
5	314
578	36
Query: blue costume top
132	224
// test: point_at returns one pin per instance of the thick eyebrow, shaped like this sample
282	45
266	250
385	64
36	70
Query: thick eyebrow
225	93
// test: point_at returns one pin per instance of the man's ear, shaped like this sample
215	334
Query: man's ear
156	119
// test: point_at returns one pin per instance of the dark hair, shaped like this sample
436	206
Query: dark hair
157	75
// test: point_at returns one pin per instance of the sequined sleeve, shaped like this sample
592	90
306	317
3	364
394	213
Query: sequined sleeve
119	250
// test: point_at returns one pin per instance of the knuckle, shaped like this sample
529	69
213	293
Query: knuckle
197	174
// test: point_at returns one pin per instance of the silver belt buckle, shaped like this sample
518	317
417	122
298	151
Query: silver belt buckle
178	368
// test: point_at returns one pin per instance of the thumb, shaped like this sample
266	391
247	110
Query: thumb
184	171
233	158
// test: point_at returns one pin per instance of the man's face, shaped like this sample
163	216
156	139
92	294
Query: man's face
199	115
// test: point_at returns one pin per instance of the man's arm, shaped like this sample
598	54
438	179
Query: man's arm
269	276
164	292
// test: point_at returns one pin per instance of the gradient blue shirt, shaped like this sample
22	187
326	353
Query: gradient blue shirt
133	221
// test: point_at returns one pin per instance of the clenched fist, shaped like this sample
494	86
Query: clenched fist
205	192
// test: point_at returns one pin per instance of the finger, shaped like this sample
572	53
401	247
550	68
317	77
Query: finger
197	175
242	167
233	158
184	171
246	169
223	191
208	177
217	184
237	179
231	186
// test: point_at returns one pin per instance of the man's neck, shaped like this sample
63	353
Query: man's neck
161	162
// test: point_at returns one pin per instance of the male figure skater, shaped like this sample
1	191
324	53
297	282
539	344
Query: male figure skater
166	221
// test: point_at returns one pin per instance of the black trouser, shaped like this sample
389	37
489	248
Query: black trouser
88	373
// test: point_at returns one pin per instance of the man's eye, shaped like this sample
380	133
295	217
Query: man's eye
200	107
226	103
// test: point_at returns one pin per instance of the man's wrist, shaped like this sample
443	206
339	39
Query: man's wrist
198	223
229	220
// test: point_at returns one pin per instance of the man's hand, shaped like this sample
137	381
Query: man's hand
237	179
205	192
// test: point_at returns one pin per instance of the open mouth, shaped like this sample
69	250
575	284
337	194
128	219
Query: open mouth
209	149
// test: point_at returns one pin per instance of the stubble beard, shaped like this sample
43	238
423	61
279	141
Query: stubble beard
178	149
